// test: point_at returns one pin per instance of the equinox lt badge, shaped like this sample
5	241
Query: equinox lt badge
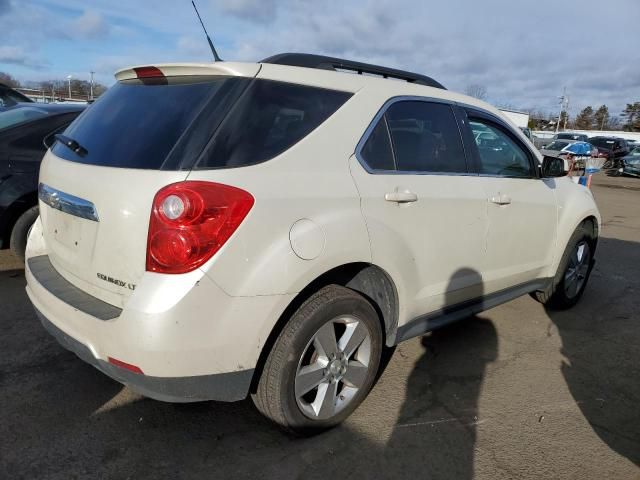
115	281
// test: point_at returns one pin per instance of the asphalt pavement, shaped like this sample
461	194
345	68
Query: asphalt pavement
516	392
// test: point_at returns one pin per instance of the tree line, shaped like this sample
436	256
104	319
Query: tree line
588	119
56	87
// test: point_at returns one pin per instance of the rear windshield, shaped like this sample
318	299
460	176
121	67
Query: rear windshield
602	142
225	122
137	125
570	136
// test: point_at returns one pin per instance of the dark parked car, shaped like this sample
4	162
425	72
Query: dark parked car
578	137
613	147
631	163
10	97
24	130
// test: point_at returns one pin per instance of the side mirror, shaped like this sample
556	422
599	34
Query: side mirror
554	167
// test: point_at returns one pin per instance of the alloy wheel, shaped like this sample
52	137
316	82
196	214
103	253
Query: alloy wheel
577	270
333	367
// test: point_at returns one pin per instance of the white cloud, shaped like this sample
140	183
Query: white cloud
252	10
15	55
194	47
91	25
523	52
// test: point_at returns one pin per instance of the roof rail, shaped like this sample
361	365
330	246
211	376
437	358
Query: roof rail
331	63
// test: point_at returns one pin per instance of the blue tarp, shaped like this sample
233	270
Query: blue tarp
579	148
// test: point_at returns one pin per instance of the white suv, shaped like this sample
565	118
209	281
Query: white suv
216	230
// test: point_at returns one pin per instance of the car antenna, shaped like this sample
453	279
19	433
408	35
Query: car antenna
213	49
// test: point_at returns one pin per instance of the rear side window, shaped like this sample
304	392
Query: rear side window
377	151
269	118
425	137
138	125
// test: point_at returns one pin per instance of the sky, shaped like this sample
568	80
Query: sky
523	52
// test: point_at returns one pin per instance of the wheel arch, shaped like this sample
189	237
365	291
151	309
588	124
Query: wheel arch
13	213
595	228
371	281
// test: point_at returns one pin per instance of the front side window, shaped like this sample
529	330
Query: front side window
425	137
499	153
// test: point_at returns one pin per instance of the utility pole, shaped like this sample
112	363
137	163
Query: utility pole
69	80
566	115
562	99
91	94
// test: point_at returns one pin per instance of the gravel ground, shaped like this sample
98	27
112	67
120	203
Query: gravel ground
516	392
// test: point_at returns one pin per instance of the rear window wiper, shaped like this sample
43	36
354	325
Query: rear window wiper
71	144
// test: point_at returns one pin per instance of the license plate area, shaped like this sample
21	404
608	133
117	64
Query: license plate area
71	239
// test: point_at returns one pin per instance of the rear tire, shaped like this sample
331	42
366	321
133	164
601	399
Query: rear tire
323	363
20	232
573	273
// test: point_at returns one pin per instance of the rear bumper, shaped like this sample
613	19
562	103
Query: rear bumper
202	345
226	387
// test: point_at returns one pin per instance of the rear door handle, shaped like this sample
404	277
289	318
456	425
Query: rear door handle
501	199
401	197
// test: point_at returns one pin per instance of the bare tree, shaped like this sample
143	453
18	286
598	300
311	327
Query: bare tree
477	91
9	80
615	123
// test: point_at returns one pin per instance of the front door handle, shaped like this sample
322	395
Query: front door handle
501	199
401	197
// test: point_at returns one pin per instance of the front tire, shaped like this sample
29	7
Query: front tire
20	232
573	271
323	363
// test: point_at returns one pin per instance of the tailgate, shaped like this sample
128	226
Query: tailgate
95	223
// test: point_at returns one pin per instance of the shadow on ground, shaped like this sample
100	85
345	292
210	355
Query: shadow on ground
67	419
63	419
601	345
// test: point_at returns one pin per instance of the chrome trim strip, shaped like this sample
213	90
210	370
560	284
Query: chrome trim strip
67	203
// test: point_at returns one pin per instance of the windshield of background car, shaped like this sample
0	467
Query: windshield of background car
556	145
16	116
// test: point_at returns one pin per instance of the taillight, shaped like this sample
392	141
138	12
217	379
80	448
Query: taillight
190	222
